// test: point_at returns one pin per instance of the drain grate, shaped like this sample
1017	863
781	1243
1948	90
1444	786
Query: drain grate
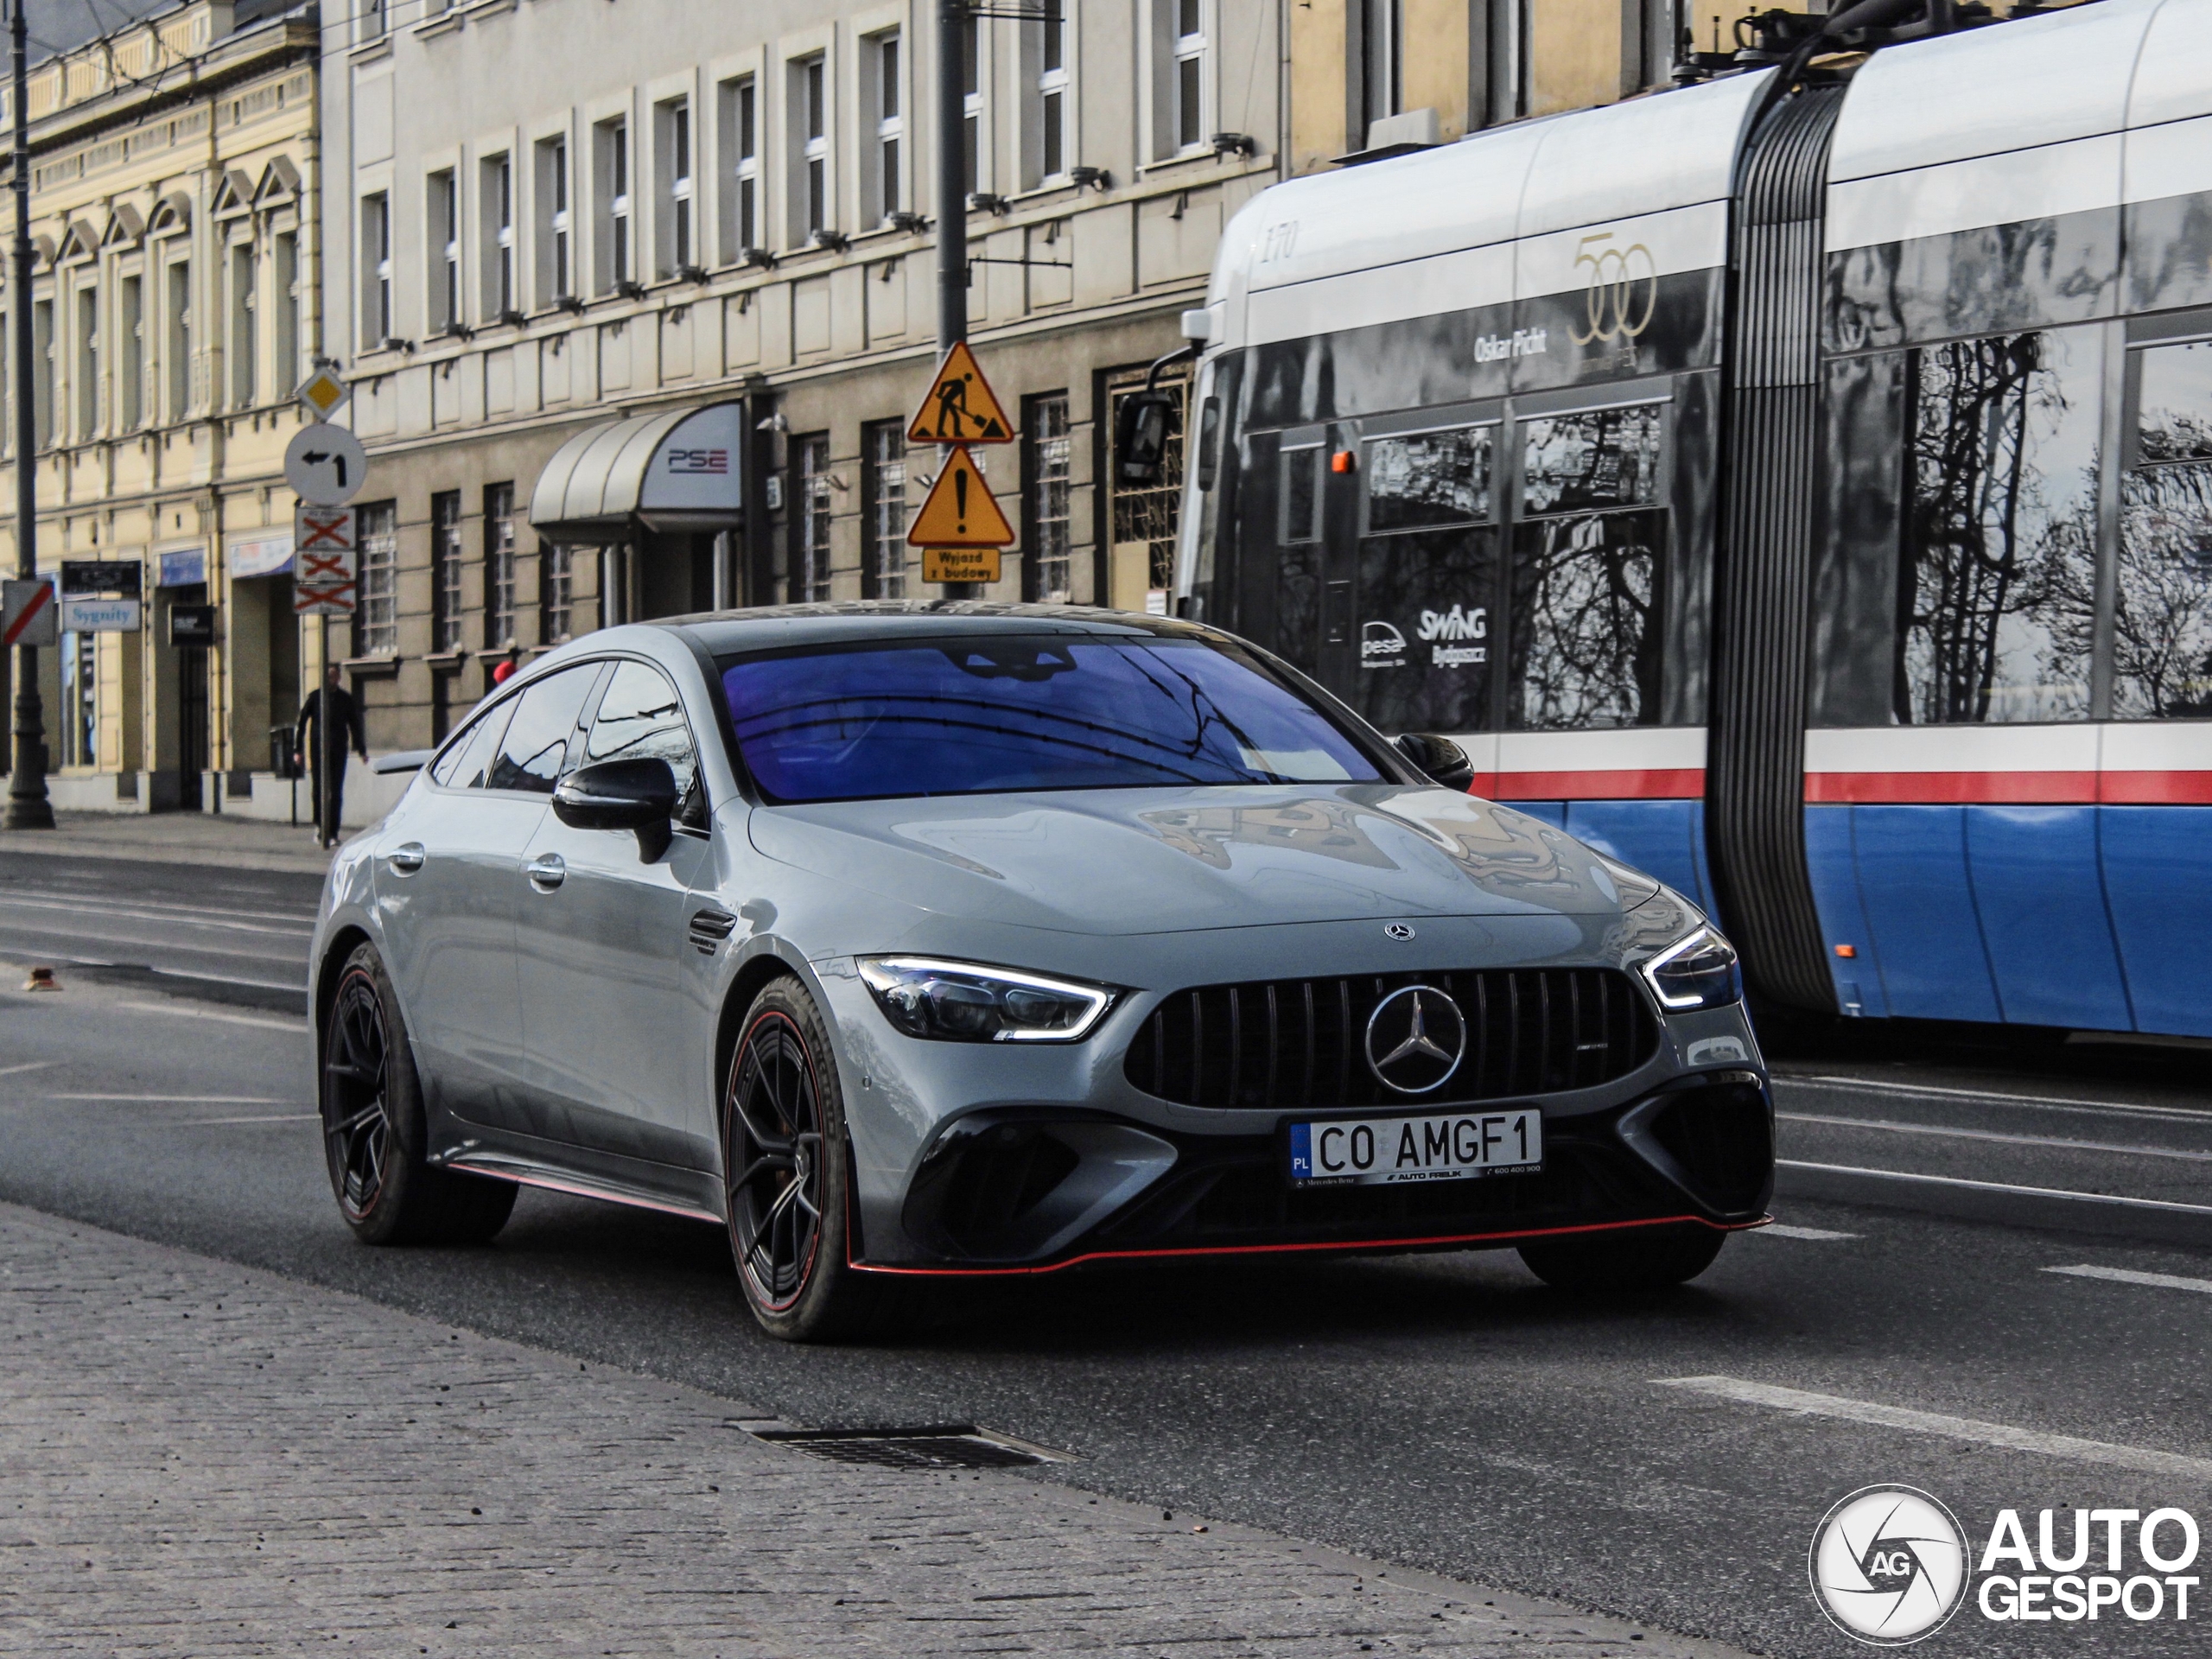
936	1446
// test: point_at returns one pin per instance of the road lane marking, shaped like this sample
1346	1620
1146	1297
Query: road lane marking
244	921
2058	1142
2142	1459
1778	1230
286	1117
2130	1276
185	1100
27	1065
296	1026
2165	1206
2056	1103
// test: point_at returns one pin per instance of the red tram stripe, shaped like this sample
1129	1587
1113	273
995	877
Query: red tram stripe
2010	788
1661	783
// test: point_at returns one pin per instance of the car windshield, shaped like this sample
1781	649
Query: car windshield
1006	712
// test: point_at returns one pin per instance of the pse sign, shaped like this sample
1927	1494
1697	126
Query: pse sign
697	463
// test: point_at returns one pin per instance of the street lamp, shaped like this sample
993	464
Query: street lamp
28	806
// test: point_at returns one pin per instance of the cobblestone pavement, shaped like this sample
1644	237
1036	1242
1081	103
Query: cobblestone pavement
216	841
200	1460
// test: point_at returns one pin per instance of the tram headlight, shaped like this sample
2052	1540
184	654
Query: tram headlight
1699	970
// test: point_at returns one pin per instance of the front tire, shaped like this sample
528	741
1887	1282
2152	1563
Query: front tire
374	1132
787	1176
1631	1261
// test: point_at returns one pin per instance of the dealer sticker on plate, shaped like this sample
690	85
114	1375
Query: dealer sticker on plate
1441	1147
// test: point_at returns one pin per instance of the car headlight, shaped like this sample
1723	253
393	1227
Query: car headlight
960	1002
1697	971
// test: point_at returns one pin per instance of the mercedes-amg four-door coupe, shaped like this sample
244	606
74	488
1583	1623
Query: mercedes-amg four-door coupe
958	939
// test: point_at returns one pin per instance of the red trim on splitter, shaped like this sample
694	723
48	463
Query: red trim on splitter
1657	784
1305	1250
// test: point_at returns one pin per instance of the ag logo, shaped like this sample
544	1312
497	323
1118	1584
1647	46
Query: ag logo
1889	1565
1623	290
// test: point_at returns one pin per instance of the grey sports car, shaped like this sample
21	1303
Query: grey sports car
907	940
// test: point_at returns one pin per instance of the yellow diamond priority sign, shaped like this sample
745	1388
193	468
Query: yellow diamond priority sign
323	393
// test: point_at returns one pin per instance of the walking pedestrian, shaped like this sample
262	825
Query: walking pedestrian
506	665
329	719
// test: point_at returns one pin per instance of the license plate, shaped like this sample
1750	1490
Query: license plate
1434	1146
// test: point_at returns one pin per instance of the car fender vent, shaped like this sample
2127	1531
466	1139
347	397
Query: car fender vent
709	928
939	1445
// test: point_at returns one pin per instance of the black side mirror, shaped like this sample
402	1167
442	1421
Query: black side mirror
636	793
1442	759
1140	438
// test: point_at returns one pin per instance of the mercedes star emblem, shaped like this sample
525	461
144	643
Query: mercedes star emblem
1415	1039
1398	930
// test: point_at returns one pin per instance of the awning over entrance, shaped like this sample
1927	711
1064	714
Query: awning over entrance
679	470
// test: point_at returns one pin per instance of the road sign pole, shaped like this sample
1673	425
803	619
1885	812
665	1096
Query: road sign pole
952	25
28	805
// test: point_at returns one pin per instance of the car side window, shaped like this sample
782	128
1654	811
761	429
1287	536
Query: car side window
538	737
468	761
641	716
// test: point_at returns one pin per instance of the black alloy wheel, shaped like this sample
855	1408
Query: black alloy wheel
356	1112
786	1174
374	1132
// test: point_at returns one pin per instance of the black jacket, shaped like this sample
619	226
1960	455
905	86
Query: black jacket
345	715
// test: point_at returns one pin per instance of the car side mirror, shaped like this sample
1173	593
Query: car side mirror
1444	761
635	792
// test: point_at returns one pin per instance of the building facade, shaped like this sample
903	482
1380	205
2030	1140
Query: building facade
173	308
729	210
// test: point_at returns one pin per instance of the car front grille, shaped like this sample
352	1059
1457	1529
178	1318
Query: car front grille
1296	1043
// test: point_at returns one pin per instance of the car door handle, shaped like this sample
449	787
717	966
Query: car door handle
546	871
406	859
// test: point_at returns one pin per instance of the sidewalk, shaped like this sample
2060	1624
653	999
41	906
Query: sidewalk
175	838
208	1460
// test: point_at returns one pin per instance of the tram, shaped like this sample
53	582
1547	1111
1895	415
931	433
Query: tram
1797	484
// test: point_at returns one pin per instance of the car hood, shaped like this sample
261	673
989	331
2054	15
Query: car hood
1127	861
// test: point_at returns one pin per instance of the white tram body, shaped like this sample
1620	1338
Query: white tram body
1805	495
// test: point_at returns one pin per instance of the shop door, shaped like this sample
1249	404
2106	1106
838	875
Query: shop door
191	708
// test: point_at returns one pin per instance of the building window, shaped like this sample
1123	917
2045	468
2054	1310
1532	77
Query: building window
884	99
43	370
611	182
1147	514
499	566
809	577
555	266
496	188
80	707
130	334
884	574
557	591
176	342
376	617
445	251
1189	130
445	571
741	216
375	15
809	114
286	250
376	271
673	170
1045	152
88	362
245	371
972	103
1047	569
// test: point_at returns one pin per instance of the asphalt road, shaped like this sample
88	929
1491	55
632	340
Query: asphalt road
1447	1412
